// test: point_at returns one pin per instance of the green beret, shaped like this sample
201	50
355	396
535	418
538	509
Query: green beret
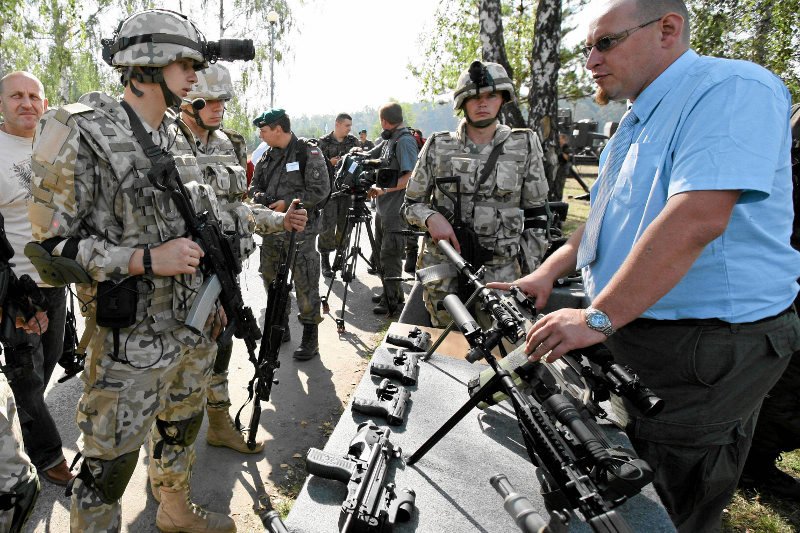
268	117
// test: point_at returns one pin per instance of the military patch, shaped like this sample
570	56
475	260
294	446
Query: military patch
51	140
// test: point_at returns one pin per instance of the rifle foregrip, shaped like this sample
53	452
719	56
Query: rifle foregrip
327	466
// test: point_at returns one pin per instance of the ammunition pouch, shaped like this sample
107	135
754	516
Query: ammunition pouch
57	271
20	503
177	433
116	303
115	474
387	177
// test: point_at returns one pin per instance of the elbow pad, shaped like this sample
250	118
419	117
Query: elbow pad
60	270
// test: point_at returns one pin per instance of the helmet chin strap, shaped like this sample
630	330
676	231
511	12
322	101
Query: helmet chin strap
485	123
150	75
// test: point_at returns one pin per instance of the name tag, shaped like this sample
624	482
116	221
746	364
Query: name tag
292	166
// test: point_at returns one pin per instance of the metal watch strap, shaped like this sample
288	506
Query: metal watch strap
607	329
147	262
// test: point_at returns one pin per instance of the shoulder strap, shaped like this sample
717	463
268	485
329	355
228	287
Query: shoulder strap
302	155
239	145
488	167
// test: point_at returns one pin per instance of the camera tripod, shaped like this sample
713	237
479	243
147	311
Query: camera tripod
349	250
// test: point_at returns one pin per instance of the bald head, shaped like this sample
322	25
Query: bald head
22	103
652	9
20	74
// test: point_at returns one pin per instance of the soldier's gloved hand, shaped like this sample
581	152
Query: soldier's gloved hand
295	219
441	230
178	256
279	206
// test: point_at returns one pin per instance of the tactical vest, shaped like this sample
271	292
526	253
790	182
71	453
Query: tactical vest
146	216
492	208
222	170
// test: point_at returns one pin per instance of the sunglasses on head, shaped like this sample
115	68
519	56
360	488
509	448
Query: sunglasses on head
606	43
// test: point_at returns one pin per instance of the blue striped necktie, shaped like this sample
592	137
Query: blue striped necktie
618	149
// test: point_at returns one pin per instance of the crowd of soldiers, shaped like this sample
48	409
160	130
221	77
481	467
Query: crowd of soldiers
102	218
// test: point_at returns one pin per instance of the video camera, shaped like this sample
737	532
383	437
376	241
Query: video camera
355	174
584	137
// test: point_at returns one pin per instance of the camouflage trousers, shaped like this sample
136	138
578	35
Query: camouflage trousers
499	269
15	466
334	218
305	276
218	394
119	407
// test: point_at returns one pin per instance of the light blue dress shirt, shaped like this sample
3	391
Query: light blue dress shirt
710	124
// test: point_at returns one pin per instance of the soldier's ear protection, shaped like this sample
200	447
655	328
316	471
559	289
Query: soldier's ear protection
386	134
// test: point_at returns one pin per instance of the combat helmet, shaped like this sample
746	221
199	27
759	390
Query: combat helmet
482	78
148	41
213	83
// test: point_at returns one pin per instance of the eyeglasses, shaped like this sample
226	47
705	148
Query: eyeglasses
604	44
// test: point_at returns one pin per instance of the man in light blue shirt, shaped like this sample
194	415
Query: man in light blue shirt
685	253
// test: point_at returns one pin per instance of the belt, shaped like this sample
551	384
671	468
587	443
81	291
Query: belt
650	322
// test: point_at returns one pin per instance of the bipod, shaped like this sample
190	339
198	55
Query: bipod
347	253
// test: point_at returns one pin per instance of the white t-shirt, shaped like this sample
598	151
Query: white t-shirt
15	192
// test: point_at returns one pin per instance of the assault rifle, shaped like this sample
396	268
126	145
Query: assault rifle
260	387
370	506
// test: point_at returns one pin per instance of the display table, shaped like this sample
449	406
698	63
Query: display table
452	481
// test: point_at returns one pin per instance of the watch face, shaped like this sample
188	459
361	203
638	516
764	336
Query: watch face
597	320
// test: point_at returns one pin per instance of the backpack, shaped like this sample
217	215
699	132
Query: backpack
794	122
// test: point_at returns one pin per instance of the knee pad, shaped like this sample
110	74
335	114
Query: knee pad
19	502
177	433
114	476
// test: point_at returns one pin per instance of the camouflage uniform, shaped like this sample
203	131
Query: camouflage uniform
17	474
334	216
495	212
91	187
278	174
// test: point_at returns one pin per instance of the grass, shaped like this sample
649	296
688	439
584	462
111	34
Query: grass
749	511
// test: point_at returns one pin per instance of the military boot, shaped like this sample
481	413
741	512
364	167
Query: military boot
222	432
326	264
309	346
761	473
177	513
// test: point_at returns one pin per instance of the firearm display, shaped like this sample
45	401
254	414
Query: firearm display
371	505
576	466
260	387
391	403
397	363
416	340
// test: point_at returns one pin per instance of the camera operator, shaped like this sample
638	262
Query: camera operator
398	156
682	223
221	154
292	168
334	145
495	196
22	103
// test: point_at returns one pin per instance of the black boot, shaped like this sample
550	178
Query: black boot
326	264
761	473
309	346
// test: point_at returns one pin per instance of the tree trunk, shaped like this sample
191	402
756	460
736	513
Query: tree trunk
543	96
494	50
763	25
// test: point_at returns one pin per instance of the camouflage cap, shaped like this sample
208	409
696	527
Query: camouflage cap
213	83
482	78
268	117
156	38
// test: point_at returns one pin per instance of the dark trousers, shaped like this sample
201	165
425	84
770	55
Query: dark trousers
712	378
39	431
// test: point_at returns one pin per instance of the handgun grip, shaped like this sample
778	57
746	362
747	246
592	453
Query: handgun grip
385	371
370	407
327	466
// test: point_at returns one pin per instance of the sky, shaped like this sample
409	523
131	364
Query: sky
351	54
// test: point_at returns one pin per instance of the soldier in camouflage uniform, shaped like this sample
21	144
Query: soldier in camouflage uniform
496	209
104	222
19	484
222	155
334	145
292	168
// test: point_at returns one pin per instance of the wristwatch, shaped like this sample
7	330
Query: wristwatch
598	321
147	262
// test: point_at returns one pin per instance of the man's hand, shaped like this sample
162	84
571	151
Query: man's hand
441	230
295	219
558	333
335	160
279	206
219	321
37	324
535	285
178	256
374	192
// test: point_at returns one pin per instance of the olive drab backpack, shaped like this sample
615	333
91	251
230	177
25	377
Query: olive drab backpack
795	125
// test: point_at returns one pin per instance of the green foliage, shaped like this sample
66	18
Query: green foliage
764	31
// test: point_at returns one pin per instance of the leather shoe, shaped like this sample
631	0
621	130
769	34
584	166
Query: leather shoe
58	475
376	298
